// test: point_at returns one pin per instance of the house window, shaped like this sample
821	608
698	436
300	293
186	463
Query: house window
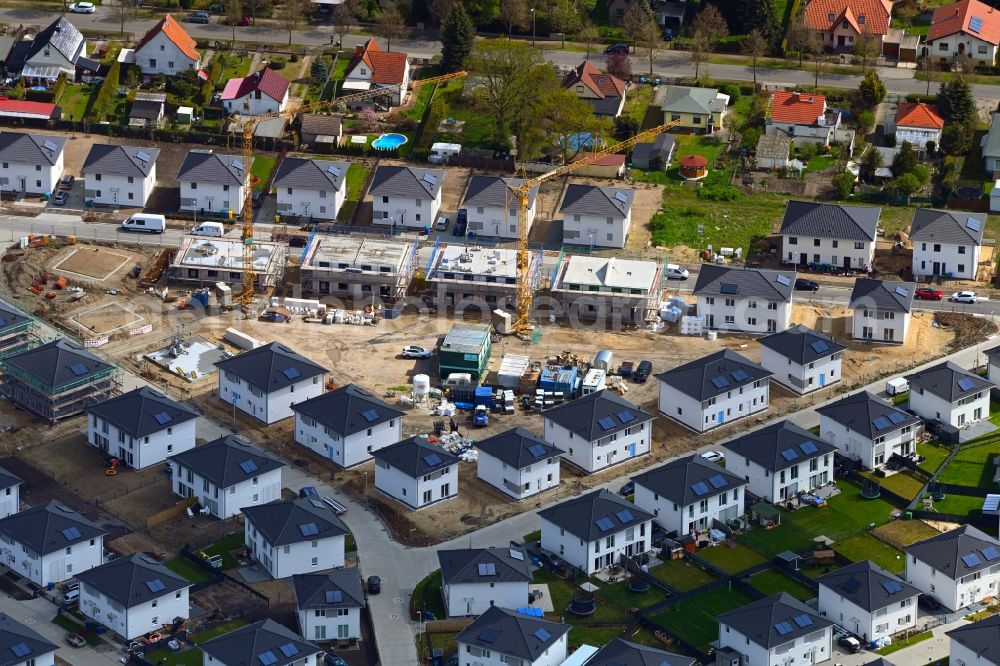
97	177
793	240
815	242
961	249
859	245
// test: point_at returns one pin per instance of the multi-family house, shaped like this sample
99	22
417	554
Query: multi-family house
313	189
967	29
959	568
474	580
751	300
804	117
818	234
30	163
946	244
265	642
868	429
50	543
597	216
698	110
993	364
295	536
518	463
774	631
868	601
329	605
505	637
839	24
976	644
262	92
371	68
605	93
881	310
23	646
166	49
211	182
949	394
416	472
408	197
119	175
598	430
491	203
802	360
267	381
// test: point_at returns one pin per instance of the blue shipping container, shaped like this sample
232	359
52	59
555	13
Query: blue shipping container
558	379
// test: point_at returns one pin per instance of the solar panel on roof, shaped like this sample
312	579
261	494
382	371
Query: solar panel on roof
162	418
334	596
267	658
966	384
537	450
620	196
720	382
971	560
789	454
517	555
991	553
248	466
803	620
237	164
155	585
143	156
784	280
974	224
783	628
606	423
992	503
729	288
976	24
430	178
699	489
20	650
488	635
625	416
291	373
289	649
902	291
78	369
3	322
740	376
881	423
370	415
49	145
542	634
717	481
852	585
334	170
819	346
624	516
432	459
604	524
896	418
308	529
71	533
808	447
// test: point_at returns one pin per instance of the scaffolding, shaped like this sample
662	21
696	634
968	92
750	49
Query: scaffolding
358	268
589	287
477	276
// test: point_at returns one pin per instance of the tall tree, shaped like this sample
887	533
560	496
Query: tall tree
872	89
563	17
292	14
508	74
871	162
905	11
257	8
866	47
618	64
483	12
457	39
742	16
234	14
754	45
589	35
560	113
343	20
799	36
390	25
441	9
955	102
123	11
707	28
905	160
646	34
515	14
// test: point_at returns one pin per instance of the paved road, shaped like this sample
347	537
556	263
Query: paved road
38	614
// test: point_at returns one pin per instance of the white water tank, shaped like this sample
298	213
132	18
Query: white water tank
421	386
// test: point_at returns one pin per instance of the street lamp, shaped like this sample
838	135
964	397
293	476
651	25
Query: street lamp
532	26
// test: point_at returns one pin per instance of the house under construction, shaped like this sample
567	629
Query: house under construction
203	262
58	379
460	277
357	268
17	330
607	288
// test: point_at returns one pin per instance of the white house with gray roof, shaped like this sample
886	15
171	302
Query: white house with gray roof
868	601
619	651
345	425
141	428
119	175
475	579
267	381
594	531
518	463
993	364
30	163
713	390
21	645
416	472
802	360
689	495
829	235
959	568
329	605
133	595
598	430
780	461
499	637
976	644
313	189
990	145
408	197
211	182
946	243
949	394
10	493
866	428
597	216
881	310
751	300
492	206
265	642
50	543
296	536
58	49
774	631
226	475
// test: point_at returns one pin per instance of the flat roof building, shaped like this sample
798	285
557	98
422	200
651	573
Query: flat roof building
204	261
357	268
608	288
472	276
466	348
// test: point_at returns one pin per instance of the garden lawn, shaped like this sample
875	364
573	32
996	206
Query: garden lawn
845	513
773	581
867	547
191	657
904	484
188	569
76	100
561	593
619	594
423	98
770	542
224	548
233	66
934	454
636	103
902	533
357	174
582	634
960	505
427	596
263	167
731	560
682	574
479	128
71	625
224	628
694	619
899	645
695	144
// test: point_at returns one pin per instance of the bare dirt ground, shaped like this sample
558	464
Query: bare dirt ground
95	263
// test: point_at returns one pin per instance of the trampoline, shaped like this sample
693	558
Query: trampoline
638	585
583	606
971	193
871	489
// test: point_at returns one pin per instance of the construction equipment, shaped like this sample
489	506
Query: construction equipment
247	124
522	194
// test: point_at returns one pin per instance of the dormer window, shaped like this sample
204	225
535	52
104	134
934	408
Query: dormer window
861	19
831	17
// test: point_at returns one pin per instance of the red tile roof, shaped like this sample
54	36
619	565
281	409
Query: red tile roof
957	17
14	108
614	159
175	33
268	81
876	14
918	114
387	68
693	161
798	108
601	84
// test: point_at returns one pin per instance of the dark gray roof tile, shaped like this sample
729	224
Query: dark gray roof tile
62	36
495	192
802	344
882	295
204	166
57	363
757	620
779	446
107	159
300	172
318	591
867	586
13	633
579	515
463	566
947	226
619	652
676	481
142	412
948	381
982	638
131	580
867	415
44	529
34	149
808	218
347	410
713	375
514	447
744	283
246	645
598	415
512	634
221	461
280	521
597	200
271	367
945	552
413	182
415	456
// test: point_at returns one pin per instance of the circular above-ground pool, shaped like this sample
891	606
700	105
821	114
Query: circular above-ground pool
638	585
390	141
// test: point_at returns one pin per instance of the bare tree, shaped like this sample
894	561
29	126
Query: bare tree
817	64
563	17
343	21
754	45
256	7
905	11
798	36
389	25
634	21
291	14
926	67
707	29
441	9
589	35
515	14
866	47
123	10
648	41
234	14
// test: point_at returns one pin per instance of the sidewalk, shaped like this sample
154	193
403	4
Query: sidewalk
38	613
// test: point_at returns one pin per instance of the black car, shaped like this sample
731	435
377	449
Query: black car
374	584
66	182
802	284
642	372
928	603
627	489
461	222
617	48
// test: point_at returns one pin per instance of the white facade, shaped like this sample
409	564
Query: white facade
702	416
267	407
160	55
420	492
405	211
226	502
518	483
962	412
875	325
326	624
10	501
965	44
603	453
810	649
139	453
871	453
346	451
592	556
805	250
698	516
211	197
307	202
362	74
595	230
960	655
786	483
296	558
137	620
493	222
471	655
917	136
870	626
30	178
114	190
799	378
748	315
54	567
953	595
959	262
993	369
463	599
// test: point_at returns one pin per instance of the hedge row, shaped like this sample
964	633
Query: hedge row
107	95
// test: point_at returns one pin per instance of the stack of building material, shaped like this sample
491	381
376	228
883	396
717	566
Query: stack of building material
691	326
512	368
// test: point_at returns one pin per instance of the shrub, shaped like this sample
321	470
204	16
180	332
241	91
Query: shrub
277	63
718	193
107	94
843	182
733	91
294	57
750	138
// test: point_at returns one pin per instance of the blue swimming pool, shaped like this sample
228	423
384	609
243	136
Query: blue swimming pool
389	141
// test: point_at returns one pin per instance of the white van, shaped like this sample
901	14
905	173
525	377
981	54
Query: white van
213	229
154	224
457	379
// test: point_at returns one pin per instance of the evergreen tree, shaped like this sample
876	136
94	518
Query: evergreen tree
954	101
905	160
457	37
743	16
872	89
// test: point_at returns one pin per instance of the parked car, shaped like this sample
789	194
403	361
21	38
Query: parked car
925	294
617	48
713	456
308	491
75	640
802	284
642	372
374	585
66	182
60	197
964	297
216	8
412	351
675	272
198	17
71	597
461	222
928	602
850	644
82	8
274	317
442	223
334	660
627	489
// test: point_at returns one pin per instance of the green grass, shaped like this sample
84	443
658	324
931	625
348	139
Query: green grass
960	505
694	619
423	98
773	581
815	571
682	574
357	174
76	99
973	466
821	163
479	128
214	632
846	512
770	542
867	547
191	657
904	484
581	634
263	167
71	625
561	593
619	594
427	595
905	643
187	569
934	454
636	103
224	547
233	67
731	560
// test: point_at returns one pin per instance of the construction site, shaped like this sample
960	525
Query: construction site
464	277
357	268
202	262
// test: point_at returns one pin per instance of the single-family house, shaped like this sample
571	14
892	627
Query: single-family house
141	428
263	642
749	300
780	461
598	430
654	155
166	49
600	166
475	579
949	394
518	463
408	197
10	493
773	151
866	428
689	495
211	183
226	475
880	310
713	390
619	651
597	216
319	129
967	29
604	92
295	536
959	568
22	645
606	288
371	68
262	92
594	531
917	123
50	543
416	472
501	636
990	147
699	110
802	360
54	51
839	24
329	605
133	595
976	644
267	381
804	117
819	234
313	189
868	601
119	175
30	163
492	206
946	243
774	631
